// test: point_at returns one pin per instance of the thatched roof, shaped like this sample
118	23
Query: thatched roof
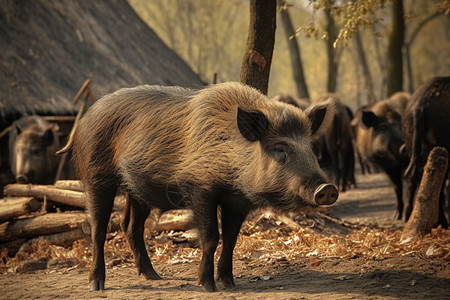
50	47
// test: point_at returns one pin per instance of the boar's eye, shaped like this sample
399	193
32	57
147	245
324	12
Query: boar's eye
280	153
35	152
382	128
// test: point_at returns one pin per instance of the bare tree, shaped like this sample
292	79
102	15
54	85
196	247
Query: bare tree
294	51
260	43
365	68
408	45
332	30
395	57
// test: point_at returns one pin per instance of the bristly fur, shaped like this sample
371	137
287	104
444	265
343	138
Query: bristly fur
226	146
174	136
31	132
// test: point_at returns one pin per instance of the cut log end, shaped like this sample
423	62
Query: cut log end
425	212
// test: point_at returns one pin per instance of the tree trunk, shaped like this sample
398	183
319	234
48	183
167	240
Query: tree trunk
408	45
426	206
365	68
332	30
294	51
260	42
395	57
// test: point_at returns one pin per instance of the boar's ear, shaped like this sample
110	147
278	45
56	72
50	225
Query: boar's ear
321	116
368	119
49	136
252	125
17	128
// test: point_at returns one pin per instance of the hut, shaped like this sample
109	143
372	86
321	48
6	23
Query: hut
50	47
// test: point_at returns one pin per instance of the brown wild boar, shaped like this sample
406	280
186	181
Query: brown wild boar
301	103
32	149
379	139
335	150
426	124
226	146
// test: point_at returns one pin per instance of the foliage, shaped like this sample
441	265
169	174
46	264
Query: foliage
351	15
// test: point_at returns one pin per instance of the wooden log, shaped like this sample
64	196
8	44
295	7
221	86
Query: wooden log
73	185
67	192
66	197
64	239
59	119
40	225
174	220
12	247
426	206
14	207
113	225
119	202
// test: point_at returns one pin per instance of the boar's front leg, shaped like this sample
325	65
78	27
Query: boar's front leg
232	219
132	224
205	213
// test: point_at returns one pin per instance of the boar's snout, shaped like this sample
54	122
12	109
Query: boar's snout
326	194
21	178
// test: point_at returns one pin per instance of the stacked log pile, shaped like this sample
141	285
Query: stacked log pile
57	214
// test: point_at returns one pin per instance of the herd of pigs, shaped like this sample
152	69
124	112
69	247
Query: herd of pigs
228	146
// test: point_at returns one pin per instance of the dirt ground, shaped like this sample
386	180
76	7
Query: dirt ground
303	267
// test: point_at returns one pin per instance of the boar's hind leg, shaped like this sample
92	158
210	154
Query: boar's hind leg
100	203
396	178
205	213
411	193
132	224
231	225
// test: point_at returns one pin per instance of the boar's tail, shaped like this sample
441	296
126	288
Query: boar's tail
70	142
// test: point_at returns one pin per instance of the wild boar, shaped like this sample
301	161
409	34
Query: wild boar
426	124
365	165
33	143
286	98
379	138
335	148
226	146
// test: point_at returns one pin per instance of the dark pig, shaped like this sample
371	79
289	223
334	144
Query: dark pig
379	139
335	148
33	143
366	166
225	146
286	98
426	124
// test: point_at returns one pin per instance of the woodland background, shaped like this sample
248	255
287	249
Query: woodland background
211	37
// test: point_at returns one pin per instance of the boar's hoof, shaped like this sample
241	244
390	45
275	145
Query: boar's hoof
228	282
151	275
97	285
209	287
23	179
326	194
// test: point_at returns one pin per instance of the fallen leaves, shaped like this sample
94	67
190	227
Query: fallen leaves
264	239
285	241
